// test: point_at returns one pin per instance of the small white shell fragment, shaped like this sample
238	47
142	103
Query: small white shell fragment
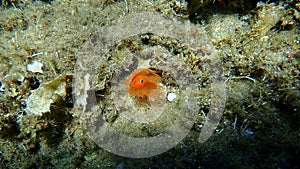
171	97
35	67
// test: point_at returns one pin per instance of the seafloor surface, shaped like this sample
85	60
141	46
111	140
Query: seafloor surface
255	44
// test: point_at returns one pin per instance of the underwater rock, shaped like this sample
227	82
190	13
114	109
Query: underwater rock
178	51
40	99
